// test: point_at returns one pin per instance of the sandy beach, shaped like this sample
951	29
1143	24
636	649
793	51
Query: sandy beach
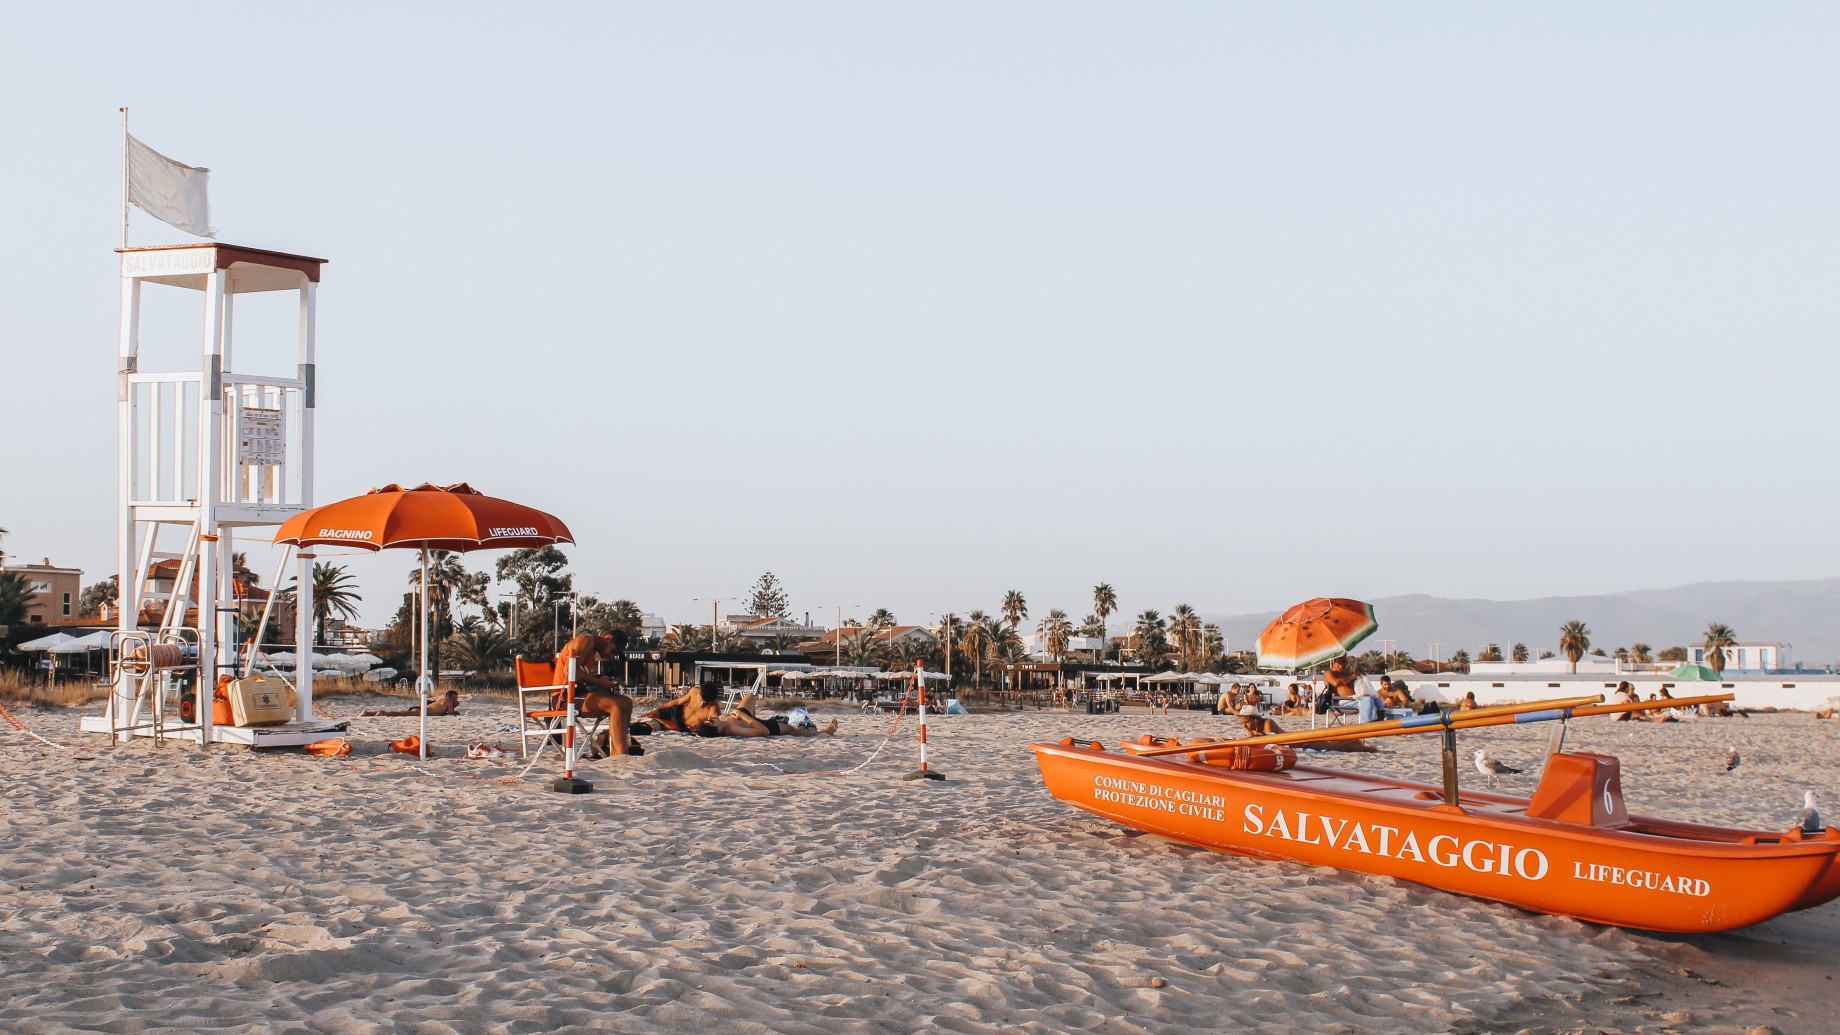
713	885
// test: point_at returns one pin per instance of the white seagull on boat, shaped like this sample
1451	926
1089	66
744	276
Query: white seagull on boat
1491	768
1809	819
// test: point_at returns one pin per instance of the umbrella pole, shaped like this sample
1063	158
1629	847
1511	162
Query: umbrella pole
424	682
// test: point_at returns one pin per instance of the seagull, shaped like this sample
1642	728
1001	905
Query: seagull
1490	768
1809	819
1731	759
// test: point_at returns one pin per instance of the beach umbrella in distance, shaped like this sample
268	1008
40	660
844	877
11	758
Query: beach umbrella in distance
353	662
1315	631
50	642
458	518
1692	673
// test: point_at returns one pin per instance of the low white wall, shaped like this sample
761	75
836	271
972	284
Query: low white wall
1792	692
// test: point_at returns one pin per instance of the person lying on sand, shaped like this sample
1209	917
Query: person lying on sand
446	704
697	705
742	722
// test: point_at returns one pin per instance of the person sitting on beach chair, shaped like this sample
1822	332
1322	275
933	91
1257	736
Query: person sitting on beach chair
599	701
1339	678
742	722
446	704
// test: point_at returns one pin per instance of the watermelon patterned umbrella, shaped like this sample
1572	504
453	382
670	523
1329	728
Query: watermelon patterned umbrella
1315	631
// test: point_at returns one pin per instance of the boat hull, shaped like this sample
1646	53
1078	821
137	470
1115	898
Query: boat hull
1646	874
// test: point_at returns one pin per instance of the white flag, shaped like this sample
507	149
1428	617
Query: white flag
167	190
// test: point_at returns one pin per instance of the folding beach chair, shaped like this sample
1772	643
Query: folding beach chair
547	716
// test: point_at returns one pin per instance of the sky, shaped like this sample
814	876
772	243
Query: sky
1224	304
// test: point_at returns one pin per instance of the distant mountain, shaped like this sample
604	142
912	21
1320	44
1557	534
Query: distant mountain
1803	614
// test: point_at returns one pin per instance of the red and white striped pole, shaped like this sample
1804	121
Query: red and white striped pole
567	783
920	688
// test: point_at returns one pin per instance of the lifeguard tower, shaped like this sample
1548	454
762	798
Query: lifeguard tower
204	454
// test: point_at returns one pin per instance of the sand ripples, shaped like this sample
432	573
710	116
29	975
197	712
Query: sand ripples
701	889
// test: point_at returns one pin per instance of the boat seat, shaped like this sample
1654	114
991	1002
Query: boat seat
1580	787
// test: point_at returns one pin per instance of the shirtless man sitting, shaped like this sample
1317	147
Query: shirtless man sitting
742	722
599	701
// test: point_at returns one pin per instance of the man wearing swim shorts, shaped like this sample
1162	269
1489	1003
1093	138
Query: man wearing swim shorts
742	722
599	701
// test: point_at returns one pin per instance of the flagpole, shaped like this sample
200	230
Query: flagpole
124	177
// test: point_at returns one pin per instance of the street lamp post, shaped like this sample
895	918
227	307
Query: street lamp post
947	617
715	604
1436	652
555	624
839	609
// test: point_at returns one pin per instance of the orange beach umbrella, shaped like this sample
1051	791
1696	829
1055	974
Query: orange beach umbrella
1315	631
428	517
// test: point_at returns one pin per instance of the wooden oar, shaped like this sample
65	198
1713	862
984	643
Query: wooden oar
1469	720
1409	724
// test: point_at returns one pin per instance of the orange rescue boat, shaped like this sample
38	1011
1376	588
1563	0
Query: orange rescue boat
1570	850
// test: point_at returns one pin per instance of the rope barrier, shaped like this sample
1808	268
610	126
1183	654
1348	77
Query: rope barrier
21	727
899	714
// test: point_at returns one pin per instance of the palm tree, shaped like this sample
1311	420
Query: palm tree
950	632
1185	627
685	638
862	649
1574	640
1719	639
882	619
1015	608
1213	646
1639	653
448	581
975	641
481	647
335	593
1056	630
1105	601
1151	646
15	596
1519	653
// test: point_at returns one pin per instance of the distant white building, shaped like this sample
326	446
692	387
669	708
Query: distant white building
652	627
766	630
1749	657
1590	663
1032	643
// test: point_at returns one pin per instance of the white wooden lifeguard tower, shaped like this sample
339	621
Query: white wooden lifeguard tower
205	453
